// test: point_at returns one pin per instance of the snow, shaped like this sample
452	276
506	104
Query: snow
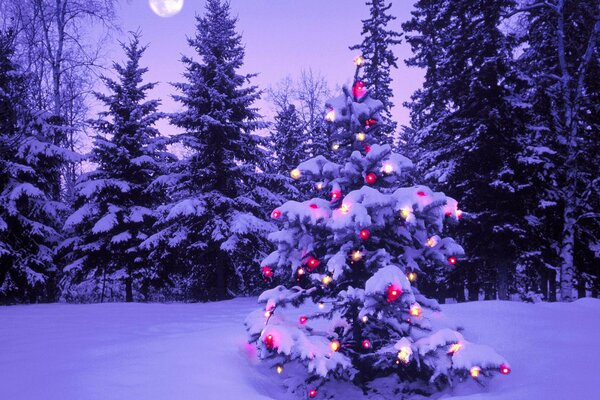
198	351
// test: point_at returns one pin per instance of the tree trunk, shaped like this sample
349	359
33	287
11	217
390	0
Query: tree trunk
221	267
567	269
128	289
552	280
581	287
502	282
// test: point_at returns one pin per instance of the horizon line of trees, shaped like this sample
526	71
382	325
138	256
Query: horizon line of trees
506	122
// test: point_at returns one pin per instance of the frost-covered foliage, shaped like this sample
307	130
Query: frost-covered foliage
116	203
29	218
379	59
354	255
215	228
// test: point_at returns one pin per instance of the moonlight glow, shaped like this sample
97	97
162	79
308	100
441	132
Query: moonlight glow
166	8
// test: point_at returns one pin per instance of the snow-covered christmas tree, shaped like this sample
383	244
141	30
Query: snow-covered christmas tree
352	311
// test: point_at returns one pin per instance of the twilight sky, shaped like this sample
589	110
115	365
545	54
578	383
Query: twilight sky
281	37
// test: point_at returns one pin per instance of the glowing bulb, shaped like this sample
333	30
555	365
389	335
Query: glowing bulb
421	193
358	61
412	276
360	136
364	319
321	305
393	293
431	242
459	214
356	255
452	260
300	271
330	116
370	178
335	146
312	263
267	271
312	393
404	355
295	173
276	214
388	168
319	186
303	319
279	368
269	342
415	310
366	344
268	313
344	208
335	345
454	348
504	369
327	280
475	371
365	234
405	212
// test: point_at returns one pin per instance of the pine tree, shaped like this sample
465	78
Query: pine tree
29	218
288	140
216	225
468	118
379	59
355	254
115	206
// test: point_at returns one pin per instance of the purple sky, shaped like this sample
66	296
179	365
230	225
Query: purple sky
281	38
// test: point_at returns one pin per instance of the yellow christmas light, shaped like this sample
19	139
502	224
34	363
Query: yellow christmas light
404	355
319	185
295	173
335	146
358	61
327	280
335	345
431	242
268	313
388	168
475	371
405	212
454	348
412	276
279	368
415	310
365	319
321	305
356	255
344	208
330	116
360	136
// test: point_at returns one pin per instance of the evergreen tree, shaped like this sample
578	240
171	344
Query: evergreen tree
115	206
468	118
288	140
29	218
215	227
355	253
379	59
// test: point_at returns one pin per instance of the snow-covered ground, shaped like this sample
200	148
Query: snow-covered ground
196	351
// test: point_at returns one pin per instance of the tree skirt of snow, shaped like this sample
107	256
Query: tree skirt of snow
198	351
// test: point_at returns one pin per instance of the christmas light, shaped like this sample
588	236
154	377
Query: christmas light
279	368
415	310
335	195
344	208
335	146
370	122
312	393
431	242
356	255
321	305
412	276
365	234
360	136
393	293
459	214
335	345
330	116
448	213
276	213
388	168
268	313
367	148
405	213
358	61
359	89
421	193
454	348
452	260
366	344
404	355
475	371
327	280
504	369
303	319
295	173
269	341
312	263
313	206
370	178
267	271
319	186
300	272
364	319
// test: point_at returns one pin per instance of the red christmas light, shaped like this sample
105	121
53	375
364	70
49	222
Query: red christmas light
367	148
393	293
504	369
366	344
269	341
276	214
303	319
365	234
312	393
370	122
421	193
312	263
452	260
336	195
359	89
448	213
371	178
267	271
313	206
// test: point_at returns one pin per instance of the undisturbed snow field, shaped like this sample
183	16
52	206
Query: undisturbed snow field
195	351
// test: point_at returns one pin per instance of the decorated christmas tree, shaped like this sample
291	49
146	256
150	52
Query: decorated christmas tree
352	311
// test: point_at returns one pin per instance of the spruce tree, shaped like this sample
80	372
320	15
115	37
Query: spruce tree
216	225
29	218
353	257
115	205
379	59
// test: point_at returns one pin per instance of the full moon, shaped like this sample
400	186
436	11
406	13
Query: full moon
166	8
